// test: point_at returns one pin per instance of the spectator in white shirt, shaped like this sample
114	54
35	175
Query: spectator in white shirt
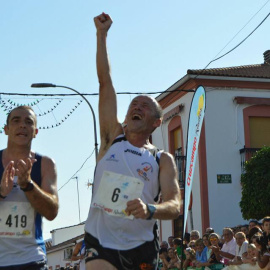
241	249
227	252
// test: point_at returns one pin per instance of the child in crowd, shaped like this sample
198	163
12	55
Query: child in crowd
192	245
190	262
263	256
177	244
251	255
163	256
174	262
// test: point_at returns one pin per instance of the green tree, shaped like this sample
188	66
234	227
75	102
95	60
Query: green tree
255	201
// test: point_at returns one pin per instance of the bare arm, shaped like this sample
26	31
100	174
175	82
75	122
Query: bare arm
170	206
262	260
43	199
75	256
226	254
109	124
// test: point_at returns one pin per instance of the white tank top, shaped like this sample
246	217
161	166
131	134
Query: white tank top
133	164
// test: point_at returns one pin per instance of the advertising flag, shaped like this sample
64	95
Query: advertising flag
196	116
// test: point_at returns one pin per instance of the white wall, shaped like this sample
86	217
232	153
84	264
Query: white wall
166	230
56	258
64	234
224	138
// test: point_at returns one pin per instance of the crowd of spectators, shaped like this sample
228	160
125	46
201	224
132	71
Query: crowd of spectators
244	247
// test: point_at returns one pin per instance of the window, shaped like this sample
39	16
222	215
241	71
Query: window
68	253
259	130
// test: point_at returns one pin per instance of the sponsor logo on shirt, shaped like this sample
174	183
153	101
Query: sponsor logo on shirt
133	152
146	169
112	158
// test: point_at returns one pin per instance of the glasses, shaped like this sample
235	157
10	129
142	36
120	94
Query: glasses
213	239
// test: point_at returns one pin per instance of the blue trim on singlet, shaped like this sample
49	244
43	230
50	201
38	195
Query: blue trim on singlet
36	177
82	247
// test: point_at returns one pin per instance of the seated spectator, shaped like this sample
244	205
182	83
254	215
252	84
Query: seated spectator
248	263
165	259
192	245
194	235
164	244
174	262
177	244
207	250
252	223
207	245
215	240
244	229
266	230
254	230
251	256
252	261
213	262
241	249
201	256
190	259
170	241
227	252
262	253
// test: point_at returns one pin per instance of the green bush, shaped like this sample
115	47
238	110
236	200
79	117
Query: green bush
255	201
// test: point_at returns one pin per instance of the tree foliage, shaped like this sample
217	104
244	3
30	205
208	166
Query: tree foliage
255	201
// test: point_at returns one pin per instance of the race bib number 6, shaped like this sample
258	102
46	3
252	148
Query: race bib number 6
114	191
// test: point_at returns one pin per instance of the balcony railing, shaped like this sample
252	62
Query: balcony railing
180	164
246	155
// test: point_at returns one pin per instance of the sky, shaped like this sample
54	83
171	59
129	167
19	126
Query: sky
151	45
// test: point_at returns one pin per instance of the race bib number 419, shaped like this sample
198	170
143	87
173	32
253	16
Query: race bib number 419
16	220
114	191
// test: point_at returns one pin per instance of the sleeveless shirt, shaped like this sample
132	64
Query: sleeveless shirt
18	248
119	232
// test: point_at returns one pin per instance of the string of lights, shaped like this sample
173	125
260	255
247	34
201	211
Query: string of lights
95	94
8	107
52	109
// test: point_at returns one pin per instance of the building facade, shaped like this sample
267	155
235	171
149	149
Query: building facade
236	123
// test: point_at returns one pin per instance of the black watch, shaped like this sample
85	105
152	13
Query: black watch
152	209
29	187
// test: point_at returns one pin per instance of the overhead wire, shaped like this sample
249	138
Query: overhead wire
215	59
156	92
73	176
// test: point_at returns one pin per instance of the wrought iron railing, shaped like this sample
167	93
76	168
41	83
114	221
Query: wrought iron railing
246	155
180	164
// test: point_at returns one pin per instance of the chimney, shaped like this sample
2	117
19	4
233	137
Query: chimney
266	55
